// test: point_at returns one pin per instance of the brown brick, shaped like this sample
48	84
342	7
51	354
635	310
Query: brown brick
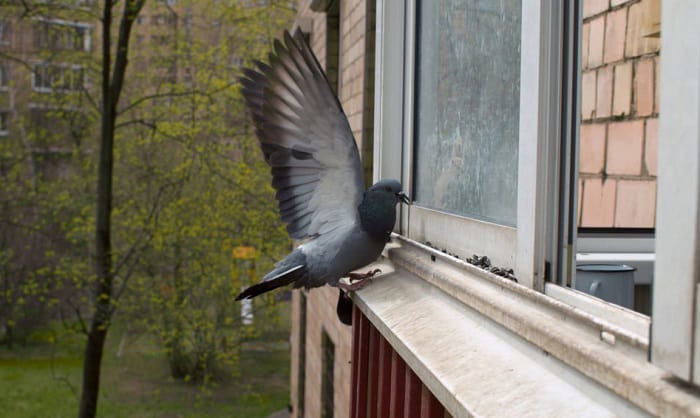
615	29
651	146
585	42
596	42
625	141
598	206
592	148
622	95
321	317
604	92
644	87
593	7
588	92
639	23
636	204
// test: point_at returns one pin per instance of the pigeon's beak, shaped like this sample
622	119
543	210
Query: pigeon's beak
402	197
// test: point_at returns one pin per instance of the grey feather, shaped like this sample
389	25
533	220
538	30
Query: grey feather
280	182
306	140
289	192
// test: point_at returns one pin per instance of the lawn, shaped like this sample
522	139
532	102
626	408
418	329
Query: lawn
43	380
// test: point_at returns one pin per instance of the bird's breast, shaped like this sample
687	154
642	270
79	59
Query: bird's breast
331	259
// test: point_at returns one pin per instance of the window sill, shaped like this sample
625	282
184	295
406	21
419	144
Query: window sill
486	346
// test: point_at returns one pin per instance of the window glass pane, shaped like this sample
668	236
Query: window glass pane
467	107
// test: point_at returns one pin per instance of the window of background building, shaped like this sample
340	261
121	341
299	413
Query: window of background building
4	123
4	75
48	77
61	36
57	128
5	32
40	77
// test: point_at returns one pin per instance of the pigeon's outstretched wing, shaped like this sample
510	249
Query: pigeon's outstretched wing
306	140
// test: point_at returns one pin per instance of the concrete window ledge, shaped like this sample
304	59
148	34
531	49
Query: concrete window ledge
486	346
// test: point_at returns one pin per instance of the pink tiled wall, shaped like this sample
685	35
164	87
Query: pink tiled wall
619	113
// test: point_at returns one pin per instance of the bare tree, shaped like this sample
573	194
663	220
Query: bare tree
112	83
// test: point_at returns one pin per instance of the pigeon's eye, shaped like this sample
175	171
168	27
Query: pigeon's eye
387	188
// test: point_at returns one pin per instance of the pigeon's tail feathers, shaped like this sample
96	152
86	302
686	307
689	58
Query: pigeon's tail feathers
283	278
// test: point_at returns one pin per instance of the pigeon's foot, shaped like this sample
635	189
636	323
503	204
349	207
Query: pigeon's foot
358	281
363	276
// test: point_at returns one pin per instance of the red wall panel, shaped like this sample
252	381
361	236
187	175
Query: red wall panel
383	386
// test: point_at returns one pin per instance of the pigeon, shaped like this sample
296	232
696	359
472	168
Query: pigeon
306	140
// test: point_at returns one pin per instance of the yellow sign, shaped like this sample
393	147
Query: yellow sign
244	253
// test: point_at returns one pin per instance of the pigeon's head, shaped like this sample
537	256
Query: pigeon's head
378	208
388	190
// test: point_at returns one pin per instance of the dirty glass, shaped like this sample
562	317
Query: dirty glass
467	107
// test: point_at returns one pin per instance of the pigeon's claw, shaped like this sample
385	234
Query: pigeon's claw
358	281
353	277
355	286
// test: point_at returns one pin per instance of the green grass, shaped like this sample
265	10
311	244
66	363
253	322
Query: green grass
43	380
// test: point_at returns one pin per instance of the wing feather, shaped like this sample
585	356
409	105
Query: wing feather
306	139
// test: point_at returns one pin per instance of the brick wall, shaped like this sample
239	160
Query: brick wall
321	302
320	316
619	113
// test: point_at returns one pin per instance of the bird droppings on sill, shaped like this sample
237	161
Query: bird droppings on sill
483	262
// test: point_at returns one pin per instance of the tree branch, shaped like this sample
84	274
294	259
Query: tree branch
144	122
144	99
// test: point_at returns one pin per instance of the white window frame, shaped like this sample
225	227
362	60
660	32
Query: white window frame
68	70
87	38
520	247
675	342
676	305
40	71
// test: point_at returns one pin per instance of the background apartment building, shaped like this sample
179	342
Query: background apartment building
50	99
48	56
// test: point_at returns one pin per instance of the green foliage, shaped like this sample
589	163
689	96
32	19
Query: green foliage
195	167
189	186
42	380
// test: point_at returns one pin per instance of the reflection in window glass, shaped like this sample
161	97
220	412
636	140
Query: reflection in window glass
467	107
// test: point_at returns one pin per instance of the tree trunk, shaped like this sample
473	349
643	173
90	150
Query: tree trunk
111	89
9	337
